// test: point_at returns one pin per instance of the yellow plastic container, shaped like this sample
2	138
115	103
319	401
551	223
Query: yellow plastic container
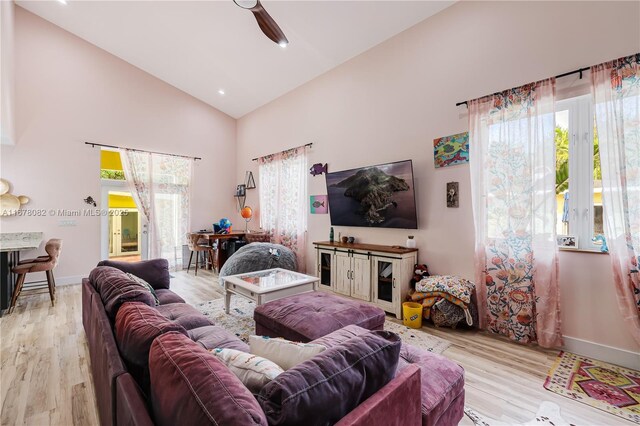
412	314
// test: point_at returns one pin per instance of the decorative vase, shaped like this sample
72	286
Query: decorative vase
411	242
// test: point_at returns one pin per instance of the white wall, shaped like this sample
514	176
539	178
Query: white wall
390	103
6	72
69	91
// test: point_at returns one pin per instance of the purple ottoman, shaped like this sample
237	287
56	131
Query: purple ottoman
308	316
442	381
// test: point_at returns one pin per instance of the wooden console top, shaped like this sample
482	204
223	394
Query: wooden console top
366	247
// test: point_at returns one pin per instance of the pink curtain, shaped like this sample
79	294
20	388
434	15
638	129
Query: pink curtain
615	87
512	158
283	200
160	185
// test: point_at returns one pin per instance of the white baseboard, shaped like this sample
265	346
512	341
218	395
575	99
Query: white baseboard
73	279
617	356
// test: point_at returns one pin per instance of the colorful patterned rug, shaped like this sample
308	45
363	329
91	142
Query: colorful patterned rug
608	387
548	414
240	322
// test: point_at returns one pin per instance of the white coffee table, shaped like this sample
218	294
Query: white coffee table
265	286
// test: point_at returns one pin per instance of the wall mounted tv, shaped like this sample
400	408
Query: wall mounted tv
379	196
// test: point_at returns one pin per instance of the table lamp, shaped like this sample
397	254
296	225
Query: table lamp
246	213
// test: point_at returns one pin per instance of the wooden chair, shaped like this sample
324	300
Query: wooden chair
44	264
195	245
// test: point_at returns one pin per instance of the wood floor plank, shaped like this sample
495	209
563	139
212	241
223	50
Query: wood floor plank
45	374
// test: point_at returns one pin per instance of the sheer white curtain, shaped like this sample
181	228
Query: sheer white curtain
512	159
161	186
283	200
616	93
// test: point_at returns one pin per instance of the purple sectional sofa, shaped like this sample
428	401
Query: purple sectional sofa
151	363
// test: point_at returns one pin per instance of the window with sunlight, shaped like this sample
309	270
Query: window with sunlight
578	175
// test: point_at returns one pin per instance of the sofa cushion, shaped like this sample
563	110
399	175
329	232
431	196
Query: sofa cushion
213	336
307	316
253	371
283	352
190	386
154	271
116	288
442	384
137	325
185	315
324	389
167	296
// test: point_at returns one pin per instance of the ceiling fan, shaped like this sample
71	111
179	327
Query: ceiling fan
265	21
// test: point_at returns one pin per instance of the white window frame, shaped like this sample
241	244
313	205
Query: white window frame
581	212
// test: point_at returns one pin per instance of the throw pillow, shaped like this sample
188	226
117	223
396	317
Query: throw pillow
283	352
144	284
253	371
191	386
322	390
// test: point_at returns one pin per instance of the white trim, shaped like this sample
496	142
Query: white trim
617	356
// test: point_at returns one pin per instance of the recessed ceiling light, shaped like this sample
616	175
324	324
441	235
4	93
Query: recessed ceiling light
283	44
63	1
221	91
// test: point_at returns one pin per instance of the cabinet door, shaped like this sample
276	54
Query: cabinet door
326	270
361	277
343	274
386	274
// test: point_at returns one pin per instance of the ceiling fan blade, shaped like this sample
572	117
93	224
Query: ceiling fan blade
268	25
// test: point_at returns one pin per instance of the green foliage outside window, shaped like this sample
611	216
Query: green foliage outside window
562	159
112	174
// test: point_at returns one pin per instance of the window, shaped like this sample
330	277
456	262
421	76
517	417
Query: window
578	176
111	165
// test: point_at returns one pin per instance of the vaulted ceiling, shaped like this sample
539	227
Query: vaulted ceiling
203	47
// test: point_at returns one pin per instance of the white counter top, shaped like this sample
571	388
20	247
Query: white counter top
13	241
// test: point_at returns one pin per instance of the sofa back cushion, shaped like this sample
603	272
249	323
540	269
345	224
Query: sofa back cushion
137	325
323	389
116	288
190	386
154	271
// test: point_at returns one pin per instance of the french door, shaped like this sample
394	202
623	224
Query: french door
125	232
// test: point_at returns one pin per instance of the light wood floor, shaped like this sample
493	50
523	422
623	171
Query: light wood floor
45	376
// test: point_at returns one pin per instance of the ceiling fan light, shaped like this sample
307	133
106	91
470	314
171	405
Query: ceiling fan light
246	4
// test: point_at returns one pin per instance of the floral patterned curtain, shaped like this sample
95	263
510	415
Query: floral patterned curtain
160	185
283	194
512	156
615	87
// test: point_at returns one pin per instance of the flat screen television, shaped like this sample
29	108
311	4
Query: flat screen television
379	196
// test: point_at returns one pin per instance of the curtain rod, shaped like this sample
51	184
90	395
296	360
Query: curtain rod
306	144
579	70
93	145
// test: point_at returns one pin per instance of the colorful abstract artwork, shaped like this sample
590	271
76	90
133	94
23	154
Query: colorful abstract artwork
451	150
319	204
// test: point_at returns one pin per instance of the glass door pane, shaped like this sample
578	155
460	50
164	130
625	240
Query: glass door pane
129	232
325	269
384	280
112	235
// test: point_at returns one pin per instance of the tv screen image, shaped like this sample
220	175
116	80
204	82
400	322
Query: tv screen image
376	196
